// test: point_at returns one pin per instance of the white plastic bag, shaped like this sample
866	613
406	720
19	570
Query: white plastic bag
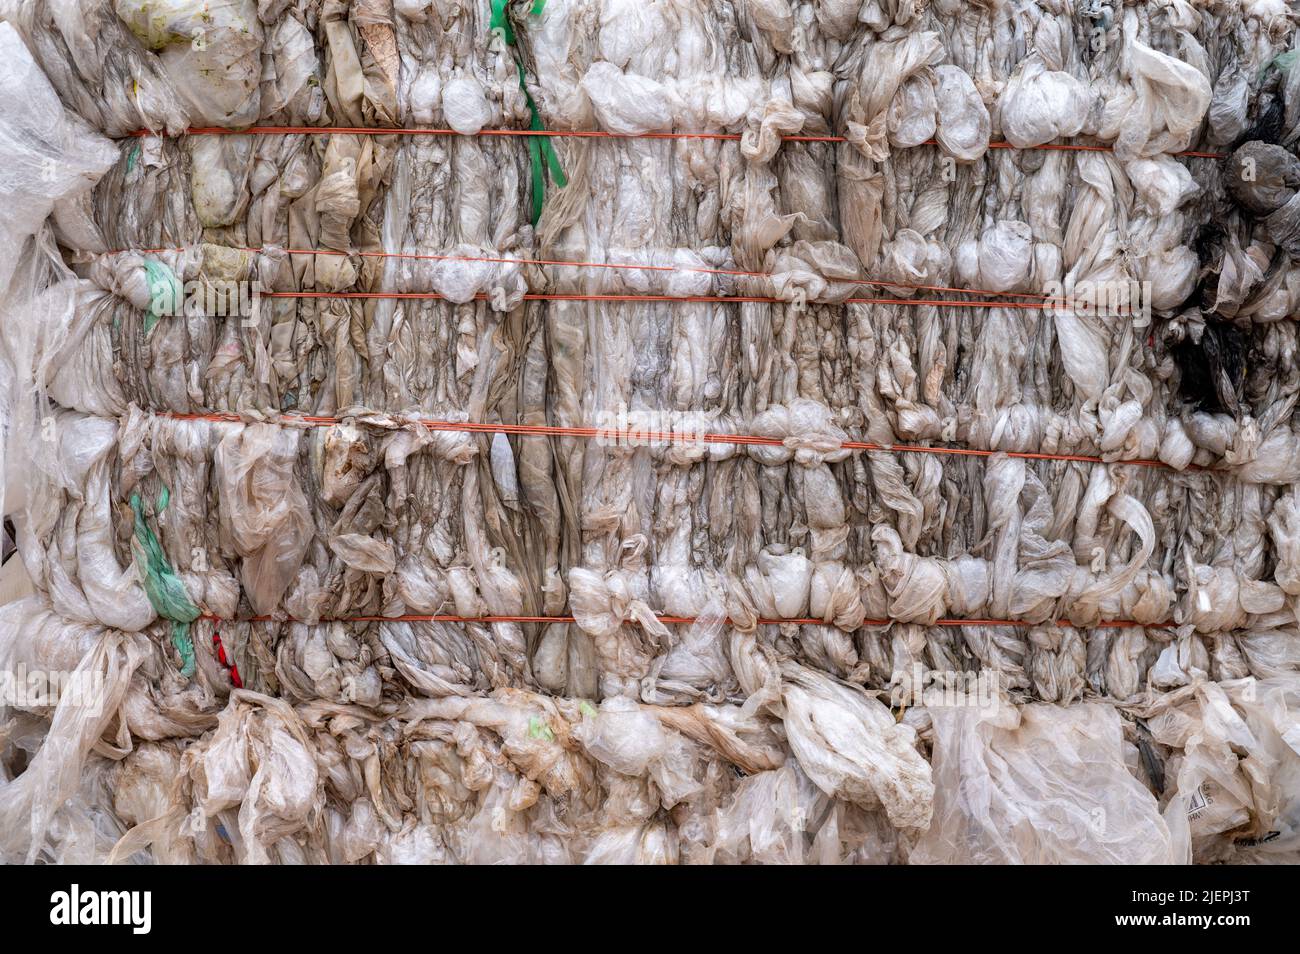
1038	784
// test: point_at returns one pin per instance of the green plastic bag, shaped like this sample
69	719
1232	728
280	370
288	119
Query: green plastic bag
165	292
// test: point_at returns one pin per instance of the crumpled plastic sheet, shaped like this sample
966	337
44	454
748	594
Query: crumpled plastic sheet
618	738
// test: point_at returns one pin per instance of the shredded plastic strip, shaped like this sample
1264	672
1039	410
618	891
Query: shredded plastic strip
601	134
702	270
668	437
687	620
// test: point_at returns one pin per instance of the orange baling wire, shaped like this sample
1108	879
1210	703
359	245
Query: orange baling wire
593	134
684	299
616	434
611	265
687	620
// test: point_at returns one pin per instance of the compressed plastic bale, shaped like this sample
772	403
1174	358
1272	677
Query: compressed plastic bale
382	517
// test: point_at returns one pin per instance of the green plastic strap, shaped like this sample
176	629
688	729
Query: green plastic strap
164	588
132	156
500	22
540	150
552	158
164	292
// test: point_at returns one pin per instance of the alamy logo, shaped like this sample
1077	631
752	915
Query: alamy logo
37	688
103	907
218	297
945	689
1116	299
624	428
